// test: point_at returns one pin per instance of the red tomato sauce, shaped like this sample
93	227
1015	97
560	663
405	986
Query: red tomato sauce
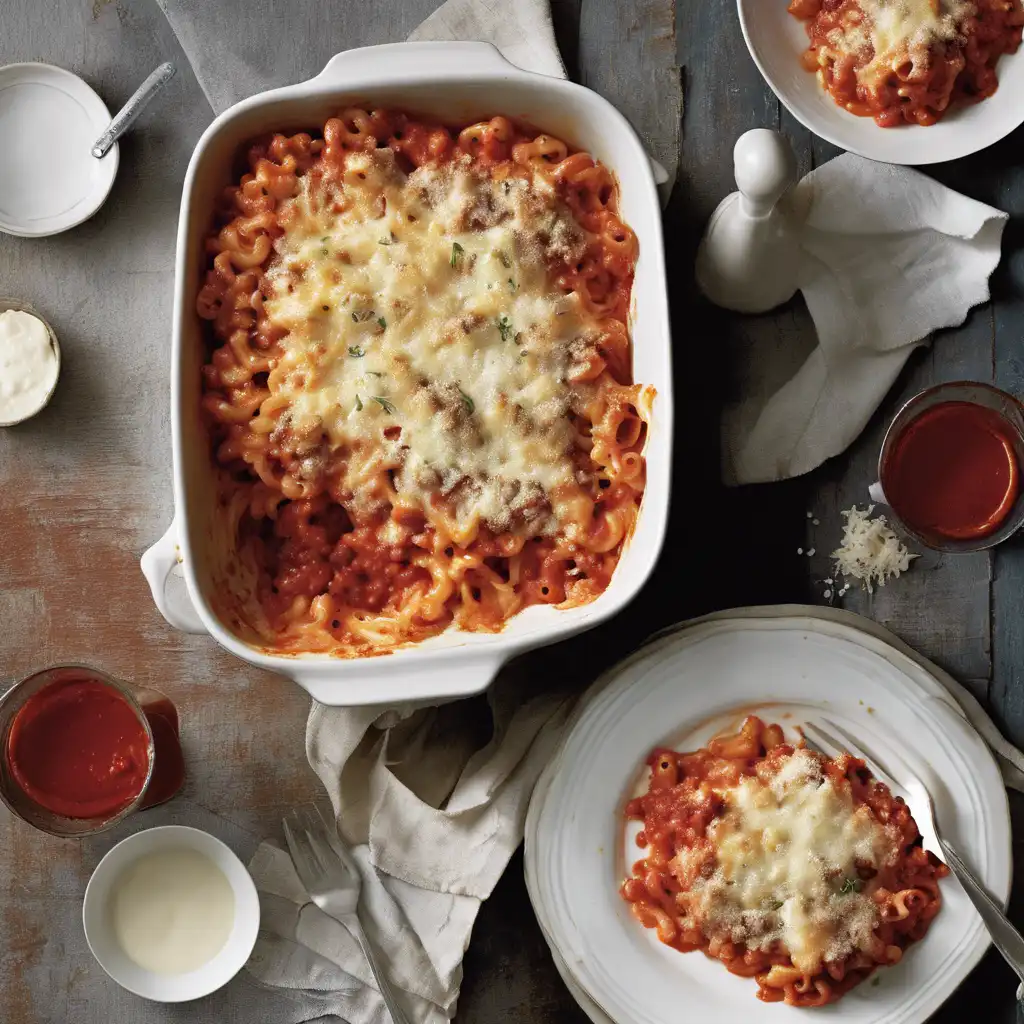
78	749
953	471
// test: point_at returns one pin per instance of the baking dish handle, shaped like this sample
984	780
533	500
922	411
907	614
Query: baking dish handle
446	680
461	56
411	58
158	564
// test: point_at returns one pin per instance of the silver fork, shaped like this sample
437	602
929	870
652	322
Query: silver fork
830	738
330	876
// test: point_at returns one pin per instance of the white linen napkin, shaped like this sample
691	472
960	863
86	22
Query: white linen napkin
433	815
888	257
432	810
522	31
230	64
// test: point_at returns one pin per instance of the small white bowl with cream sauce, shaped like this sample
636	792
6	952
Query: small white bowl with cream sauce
29	362
171	914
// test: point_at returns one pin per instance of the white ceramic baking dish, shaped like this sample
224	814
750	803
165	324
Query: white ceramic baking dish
458	82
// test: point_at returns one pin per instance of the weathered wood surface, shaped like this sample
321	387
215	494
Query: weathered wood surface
86	487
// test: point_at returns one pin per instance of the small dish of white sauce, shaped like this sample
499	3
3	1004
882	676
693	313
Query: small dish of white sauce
172	910
29	363
171	914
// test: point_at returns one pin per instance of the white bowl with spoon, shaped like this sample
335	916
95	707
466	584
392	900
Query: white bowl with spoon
58	146
171	914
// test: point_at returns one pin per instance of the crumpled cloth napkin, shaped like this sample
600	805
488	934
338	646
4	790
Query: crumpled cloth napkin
432	809
433	813
888	257
282	43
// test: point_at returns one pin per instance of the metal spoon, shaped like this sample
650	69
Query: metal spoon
126	116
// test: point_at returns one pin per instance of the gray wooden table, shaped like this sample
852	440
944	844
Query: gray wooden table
86	486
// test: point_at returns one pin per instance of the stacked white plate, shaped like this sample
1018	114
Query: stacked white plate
679	691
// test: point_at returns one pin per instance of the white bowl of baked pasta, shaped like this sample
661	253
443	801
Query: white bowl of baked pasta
903	81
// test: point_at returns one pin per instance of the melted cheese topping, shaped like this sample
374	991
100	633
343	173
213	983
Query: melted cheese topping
788	854
898	30
425	337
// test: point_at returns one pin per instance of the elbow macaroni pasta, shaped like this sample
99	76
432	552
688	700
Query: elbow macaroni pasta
799	871
419	387
908	61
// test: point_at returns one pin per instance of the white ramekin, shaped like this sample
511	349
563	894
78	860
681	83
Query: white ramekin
170	988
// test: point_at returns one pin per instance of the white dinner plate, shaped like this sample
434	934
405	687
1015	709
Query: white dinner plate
583	1000
776	41
680	691
49	179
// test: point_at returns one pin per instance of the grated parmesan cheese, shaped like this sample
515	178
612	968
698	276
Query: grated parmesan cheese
870	551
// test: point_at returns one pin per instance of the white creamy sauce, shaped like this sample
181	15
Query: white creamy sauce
28	365
172	911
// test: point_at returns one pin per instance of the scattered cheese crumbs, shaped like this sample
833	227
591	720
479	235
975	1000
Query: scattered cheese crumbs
870	551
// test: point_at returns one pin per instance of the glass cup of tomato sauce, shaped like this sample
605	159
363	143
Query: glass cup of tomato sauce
81	750
950	467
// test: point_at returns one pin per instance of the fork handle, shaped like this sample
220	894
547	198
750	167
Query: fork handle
354	925
1005	937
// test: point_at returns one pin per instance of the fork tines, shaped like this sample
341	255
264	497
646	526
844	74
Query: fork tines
832	739
314	852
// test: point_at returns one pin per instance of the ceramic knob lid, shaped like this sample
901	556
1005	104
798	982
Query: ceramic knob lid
765	168
749	258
